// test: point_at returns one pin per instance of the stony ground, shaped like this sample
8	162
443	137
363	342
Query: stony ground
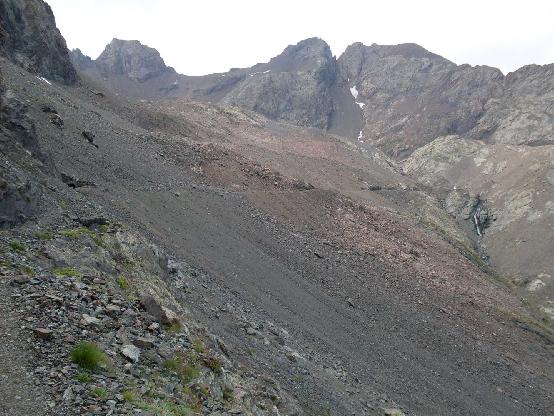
66	287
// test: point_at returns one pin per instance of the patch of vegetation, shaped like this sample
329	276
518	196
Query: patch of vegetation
104	228
129	396
66	272
199	346
174	327
84	377
100	392
24	269
184	365
194	400
88	356
62	204
44	235
213	364
74	233
123	282
18	246
165	408
228	394
5	263
539	328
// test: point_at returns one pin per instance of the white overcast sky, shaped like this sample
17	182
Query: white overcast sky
206	36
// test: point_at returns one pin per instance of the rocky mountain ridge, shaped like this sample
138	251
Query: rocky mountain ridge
396	97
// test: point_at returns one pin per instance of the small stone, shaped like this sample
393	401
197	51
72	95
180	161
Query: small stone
43	333
142	342
131	352
111	404
154	326
56	120
393	412
113	309
90	320
67	395
19	280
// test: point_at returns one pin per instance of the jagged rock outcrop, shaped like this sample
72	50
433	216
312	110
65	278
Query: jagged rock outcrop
409	96
80	60
294	86
29	37
131	59
524	113
19	194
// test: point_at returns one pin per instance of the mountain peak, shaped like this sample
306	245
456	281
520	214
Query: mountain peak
308	54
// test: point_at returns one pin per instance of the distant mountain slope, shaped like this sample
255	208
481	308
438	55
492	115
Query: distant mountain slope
511	188
410	96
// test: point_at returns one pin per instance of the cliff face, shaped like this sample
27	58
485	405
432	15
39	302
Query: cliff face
29	37
410	95
524	113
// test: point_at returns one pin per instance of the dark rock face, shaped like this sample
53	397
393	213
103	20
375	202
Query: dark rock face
294	86
15	125
18	195
524	113
80	61
410	95
29	37
131	59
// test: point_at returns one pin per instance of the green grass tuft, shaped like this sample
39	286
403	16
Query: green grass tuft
184	365
199	346
123	282
67	272
44	235
74	233
129	396
213	364
165	409
88	356
84	378
100	392
18	246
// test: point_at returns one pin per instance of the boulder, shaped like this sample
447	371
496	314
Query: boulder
161	313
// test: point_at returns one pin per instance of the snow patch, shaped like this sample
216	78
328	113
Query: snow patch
44	80
360	135
256	73
360	104
354	92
